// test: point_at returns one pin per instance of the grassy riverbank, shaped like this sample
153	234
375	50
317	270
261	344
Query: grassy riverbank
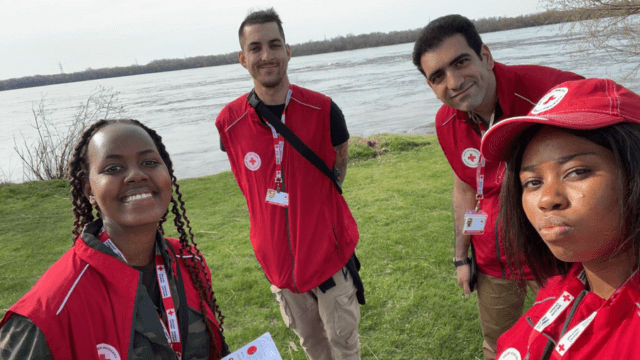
401	201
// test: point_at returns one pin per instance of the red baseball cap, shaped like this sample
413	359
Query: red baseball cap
582	104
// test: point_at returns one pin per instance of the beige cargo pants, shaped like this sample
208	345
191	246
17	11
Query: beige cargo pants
326	323
501	304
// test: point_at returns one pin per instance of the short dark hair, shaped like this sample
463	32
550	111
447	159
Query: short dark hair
439	30
520	238
261	17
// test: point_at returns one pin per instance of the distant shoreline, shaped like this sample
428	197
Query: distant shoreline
422	130
337	44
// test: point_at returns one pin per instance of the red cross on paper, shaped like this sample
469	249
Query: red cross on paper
566	298
550	99
561	347
252	161
171	312
472	158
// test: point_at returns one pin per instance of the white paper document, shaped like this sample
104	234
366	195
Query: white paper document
262	348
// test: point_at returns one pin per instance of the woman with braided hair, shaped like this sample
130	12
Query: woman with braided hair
123	291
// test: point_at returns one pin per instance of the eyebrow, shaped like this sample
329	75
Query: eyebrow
116	156
455	60
270	42
561	161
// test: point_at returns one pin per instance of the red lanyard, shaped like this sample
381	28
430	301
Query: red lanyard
278	144
480	169
480	182
172	331
574	288
107	241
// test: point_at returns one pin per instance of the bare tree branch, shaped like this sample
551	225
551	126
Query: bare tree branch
609	25
46	157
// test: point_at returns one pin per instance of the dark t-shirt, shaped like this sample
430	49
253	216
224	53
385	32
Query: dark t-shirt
339	132
150	282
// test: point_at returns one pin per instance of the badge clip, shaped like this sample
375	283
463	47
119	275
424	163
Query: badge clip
474	222
277	198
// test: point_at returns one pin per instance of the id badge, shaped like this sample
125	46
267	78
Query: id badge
474	222
277	198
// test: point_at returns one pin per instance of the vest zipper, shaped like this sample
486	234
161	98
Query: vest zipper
498	255
286	219
335	238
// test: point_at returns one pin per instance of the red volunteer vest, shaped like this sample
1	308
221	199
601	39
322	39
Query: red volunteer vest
301	246
518	88
613	333
87	298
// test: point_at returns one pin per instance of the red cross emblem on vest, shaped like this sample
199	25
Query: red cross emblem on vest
252	161
471	157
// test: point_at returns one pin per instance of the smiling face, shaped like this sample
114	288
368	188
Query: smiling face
571	195
265	54
128	179
458	77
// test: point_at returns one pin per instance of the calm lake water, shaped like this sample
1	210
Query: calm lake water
378	89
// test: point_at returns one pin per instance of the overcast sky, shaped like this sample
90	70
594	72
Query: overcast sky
37	36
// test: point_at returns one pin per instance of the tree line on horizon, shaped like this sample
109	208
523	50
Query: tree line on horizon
340	43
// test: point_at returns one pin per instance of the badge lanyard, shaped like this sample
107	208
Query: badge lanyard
277	196
475	220
173	331
562	303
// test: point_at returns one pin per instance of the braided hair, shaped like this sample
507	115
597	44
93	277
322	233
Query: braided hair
83	213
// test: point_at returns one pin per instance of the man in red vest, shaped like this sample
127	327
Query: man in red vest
302	231
478	92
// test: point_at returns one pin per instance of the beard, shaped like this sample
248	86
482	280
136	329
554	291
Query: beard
271	79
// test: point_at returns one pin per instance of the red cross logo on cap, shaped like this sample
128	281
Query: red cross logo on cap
102	357
472	158
550	99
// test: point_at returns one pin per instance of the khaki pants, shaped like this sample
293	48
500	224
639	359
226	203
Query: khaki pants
500	303
325	322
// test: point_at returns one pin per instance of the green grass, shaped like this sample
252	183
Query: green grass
400	194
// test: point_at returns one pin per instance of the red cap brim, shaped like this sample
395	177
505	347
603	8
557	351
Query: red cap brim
498	141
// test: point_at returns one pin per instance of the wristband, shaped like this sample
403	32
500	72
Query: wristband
461	262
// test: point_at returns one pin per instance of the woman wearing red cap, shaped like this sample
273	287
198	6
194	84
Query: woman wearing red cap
571	208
